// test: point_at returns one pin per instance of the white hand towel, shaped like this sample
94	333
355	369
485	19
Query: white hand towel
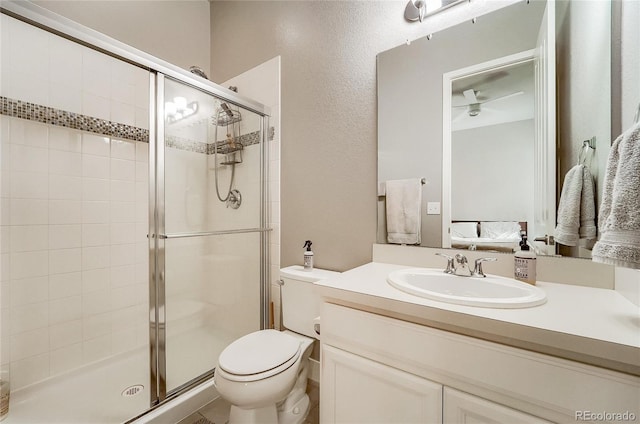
576	209
619	219
404	200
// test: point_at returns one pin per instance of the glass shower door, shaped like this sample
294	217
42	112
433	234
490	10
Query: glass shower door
210	196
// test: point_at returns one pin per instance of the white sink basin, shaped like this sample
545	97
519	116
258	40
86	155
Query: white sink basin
489	292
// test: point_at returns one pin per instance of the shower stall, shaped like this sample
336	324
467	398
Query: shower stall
134	237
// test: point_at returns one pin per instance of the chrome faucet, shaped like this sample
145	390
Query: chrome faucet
459	265
462	267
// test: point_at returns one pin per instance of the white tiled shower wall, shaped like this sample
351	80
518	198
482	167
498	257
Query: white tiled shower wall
45	69
74	269
75	253
262	83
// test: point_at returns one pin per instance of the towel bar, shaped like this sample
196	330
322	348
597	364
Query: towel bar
382	190
584	150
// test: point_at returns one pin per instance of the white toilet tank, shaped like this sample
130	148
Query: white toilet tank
300	305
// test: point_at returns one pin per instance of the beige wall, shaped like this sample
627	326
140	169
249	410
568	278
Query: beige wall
329	137
176	31
583	46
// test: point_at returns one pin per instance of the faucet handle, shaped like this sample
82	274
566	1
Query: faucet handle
477	270
450	264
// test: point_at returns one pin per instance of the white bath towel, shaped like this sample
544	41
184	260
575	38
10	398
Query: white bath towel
404	200
619	219
576	209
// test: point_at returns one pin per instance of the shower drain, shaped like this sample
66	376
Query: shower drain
132	390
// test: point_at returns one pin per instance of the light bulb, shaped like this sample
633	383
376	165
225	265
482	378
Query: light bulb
181	103
170	108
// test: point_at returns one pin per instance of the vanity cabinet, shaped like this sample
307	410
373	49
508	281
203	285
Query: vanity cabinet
463	408
377	369
364	391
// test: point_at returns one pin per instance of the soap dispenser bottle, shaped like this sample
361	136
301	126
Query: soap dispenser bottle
308	256
525	263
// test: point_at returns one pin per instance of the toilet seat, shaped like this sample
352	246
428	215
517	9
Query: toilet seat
259	355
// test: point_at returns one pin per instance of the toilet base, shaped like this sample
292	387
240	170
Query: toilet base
296	413
295	407
267	415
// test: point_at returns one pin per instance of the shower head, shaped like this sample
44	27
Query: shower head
198	71
226	114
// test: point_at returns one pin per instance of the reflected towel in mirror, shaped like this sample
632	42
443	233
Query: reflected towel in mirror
404	201
576	209
619	219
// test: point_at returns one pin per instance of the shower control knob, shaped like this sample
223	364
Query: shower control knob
235	199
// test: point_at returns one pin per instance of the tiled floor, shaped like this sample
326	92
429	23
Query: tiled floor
217	412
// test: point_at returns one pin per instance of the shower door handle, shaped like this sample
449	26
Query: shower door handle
214	233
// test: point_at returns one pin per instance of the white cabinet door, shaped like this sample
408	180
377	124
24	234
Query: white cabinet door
357	390
464	408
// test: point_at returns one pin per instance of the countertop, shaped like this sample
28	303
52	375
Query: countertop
590	325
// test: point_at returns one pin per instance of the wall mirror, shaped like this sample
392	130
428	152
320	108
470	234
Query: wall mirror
493	128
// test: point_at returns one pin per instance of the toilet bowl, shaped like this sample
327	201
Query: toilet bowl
264	374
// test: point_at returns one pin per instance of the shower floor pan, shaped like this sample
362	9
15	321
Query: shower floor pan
94	393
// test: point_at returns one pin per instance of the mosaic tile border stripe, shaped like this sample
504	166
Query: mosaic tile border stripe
208	148
63	118
186	144
245	139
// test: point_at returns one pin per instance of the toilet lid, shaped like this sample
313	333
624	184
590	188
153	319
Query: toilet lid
258	352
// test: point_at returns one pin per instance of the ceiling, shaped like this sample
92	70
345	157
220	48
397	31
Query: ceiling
496	90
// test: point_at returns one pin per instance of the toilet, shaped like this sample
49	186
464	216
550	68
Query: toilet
264	374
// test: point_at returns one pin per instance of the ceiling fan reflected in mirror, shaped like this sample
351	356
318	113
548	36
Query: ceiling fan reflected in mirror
474	101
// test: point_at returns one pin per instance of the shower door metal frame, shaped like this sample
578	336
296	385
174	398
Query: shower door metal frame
158	71
159	235
154	388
